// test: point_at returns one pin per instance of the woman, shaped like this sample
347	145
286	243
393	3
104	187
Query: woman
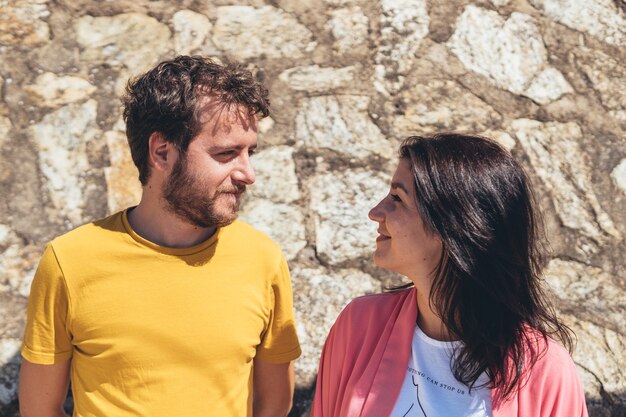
472	335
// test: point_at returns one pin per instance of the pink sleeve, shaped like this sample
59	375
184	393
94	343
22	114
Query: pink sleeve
563	394
328	376
553	389
367	347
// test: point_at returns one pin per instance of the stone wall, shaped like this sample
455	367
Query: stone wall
349	79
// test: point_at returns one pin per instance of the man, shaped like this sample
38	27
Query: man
170	308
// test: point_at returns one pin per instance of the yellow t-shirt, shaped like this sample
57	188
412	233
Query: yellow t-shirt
155	331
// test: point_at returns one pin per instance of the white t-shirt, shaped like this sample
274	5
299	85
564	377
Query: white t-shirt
430	389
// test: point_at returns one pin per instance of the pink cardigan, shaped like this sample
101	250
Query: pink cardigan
365	355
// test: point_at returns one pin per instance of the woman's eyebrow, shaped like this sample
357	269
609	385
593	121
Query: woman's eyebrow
400	186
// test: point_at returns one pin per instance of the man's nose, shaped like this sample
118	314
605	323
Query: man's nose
245	172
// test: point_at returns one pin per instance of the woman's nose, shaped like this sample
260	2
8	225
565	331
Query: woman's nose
376	213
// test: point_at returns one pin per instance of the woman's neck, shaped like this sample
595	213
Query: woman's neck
428	321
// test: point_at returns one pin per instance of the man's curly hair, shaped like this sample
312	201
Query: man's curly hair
167	99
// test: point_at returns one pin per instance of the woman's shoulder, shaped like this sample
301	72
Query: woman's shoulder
552	386
363	322
548	349
555	356
554	363
373	307
373	302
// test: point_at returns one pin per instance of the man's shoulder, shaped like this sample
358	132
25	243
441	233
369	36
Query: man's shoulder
90	234
245	235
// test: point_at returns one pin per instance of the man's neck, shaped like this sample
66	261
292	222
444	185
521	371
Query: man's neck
153	222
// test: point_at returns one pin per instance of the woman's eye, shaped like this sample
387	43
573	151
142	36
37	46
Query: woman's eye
395	197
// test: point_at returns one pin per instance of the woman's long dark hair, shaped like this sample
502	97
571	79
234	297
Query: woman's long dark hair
487	287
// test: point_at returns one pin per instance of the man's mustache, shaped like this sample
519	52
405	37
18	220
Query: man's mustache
236	189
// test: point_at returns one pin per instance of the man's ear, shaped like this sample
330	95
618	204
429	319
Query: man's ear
162	154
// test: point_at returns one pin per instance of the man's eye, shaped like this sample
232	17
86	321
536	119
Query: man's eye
251	152
227	154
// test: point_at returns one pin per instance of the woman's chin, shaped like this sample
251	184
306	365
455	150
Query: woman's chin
379	261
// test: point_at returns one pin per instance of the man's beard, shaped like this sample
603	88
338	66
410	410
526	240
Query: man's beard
187	198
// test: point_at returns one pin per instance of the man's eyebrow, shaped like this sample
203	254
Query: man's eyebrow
218	148
400	186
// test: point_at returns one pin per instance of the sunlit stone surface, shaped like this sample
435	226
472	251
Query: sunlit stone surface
348	80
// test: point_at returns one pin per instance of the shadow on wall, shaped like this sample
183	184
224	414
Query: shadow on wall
8	379
608	409
303	398
302	401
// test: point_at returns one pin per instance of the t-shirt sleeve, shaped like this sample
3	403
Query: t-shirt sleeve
47	339
279	343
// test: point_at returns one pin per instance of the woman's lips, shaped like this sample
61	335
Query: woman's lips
381	238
